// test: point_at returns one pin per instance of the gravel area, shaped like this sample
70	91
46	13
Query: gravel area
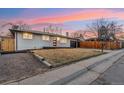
19	66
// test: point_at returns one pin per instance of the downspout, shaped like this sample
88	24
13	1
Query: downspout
16	41
76	43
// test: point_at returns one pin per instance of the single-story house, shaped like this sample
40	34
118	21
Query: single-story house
31	39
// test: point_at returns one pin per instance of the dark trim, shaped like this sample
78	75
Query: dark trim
55	47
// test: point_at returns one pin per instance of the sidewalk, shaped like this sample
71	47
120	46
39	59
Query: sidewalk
72	74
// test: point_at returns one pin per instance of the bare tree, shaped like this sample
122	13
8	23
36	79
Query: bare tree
114	28
53	29
78	34
105	28
20	25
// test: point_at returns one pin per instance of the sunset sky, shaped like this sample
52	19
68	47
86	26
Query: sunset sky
71	19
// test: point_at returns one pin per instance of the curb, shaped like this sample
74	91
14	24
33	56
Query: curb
70	77
42	60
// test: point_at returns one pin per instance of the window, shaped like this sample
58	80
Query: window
27	36
58	38
45	37
63	40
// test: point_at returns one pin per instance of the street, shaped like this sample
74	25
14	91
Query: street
113	76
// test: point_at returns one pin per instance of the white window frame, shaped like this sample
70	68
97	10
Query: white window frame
63	40
27	36
45	37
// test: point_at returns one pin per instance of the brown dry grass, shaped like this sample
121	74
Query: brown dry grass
64	56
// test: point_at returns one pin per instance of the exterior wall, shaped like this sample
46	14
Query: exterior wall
64	44
36	42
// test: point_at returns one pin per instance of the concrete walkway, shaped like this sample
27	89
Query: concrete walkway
82	72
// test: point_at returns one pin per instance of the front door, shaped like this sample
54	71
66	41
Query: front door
54	42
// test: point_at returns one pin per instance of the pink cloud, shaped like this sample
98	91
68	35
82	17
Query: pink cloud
76	16
82	15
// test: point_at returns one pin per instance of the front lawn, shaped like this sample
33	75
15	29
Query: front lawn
64	56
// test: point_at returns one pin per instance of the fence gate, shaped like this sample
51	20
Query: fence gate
7	44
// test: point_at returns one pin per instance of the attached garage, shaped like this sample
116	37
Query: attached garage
74	43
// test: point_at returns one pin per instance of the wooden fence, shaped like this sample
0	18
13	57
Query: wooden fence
7	44
98	44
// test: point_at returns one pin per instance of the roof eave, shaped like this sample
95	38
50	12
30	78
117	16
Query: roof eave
40	33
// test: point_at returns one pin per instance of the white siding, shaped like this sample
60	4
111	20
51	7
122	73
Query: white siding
64	44
36	42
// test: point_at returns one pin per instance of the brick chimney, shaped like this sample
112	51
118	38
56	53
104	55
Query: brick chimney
67	34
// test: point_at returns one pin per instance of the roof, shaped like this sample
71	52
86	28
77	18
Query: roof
40	33
120	38
91	39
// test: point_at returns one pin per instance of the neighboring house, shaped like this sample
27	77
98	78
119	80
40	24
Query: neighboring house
91	39
80	38
36	39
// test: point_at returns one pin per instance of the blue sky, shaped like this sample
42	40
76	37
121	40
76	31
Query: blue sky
73	19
